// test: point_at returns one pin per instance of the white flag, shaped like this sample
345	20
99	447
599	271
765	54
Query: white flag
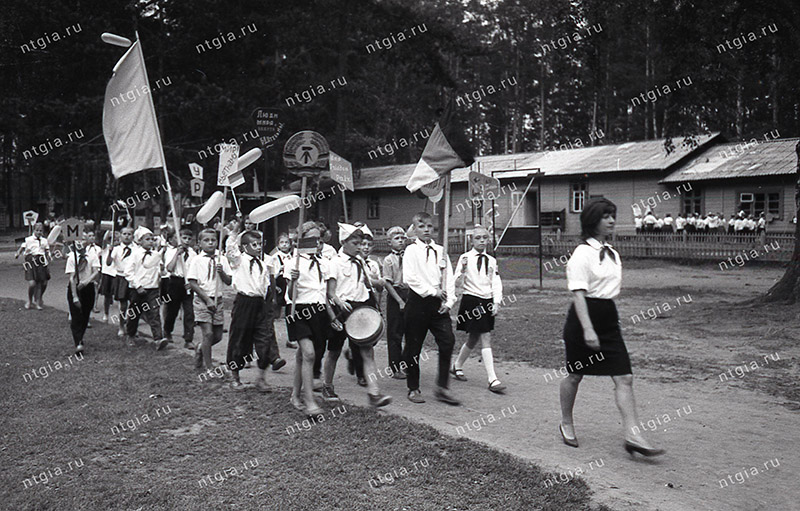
129	124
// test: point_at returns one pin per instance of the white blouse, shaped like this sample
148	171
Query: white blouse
585	270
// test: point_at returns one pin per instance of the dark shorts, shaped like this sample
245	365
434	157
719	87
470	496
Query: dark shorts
123	291
310	321
475	314
612	359
36	268
107	285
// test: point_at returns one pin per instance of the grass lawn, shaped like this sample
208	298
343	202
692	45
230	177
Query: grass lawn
129	428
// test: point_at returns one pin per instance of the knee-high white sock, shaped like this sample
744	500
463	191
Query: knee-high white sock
463	355
488	363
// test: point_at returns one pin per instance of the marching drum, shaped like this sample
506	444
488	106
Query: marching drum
364	325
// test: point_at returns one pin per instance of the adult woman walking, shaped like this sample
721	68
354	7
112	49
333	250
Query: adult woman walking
592	334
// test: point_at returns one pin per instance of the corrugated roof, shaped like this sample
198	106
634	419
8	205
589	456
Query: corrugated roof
627	157
740	159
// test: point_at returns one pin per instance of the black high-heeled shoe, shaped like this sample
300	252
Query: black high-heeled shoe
631	448
572	442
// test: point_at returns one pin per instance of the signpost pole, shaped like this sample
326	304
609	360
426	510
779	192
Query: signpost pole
221	231
344	206
539	221
301	218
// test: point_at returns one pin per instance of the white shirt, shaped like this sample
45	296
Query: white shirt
181	264
484	283
312	285
637	222
95	249
280	260
108	269
679	223
600	279
350	274
328	252
146	268
247	277
650	219
738	224
123	262
36	246
668	220
422	270
92	265
659	223
202	268
762	222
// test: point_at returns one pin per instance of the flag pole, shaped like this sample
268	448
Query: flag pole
160	145
446	229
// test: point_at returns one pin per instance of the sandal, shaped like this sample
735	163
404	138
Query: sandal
458	374
297	403
497	387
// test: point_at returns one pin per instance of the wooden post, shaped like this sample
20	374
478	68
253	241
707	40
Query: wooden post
344	206
301	218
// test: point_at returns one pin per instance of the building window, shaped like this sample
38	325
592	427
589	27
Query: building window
692	202
755	203
477	212
578	197
374	206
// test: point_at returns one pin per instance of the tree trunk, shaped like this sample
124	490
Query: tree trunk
740	103
788	288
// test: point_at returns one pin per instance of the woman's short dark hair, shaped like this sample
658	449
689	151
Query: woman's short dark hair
592	213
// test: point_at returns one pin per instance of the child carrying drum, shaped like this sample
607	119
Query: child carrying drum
348	289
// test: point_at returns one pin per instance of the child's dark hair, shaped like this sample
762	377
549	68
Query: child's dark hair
187	232
592	213
250	236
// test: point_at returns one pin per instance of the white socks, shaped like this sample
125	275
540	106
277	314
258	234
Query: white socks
488	363
463	355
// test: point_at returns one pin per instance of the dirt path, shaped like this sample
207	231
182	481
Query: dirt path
711	430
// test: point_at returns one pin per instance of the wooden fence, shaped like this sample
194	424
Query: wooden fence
714	247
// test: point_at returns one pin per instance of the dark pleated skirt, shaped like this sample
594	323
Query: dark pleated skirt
612	359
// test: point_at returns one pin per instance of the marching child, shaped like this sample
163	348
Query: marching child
251	318
177	259
309	326
36	251
373	271
122	257
144	289
397	294
202	276
348	288
280	260
83	270
108	273
483	292
89	241
428	308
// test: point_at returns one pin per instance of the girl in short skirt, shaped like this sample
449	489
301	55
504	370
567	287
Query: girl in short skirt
483	293
37	256
592	336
